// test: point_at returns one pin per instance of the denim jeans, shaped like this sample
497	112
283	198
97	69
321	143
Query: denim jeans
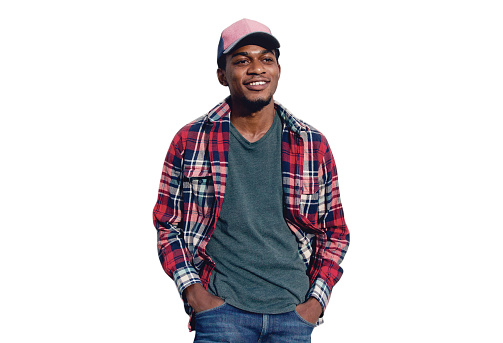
226	323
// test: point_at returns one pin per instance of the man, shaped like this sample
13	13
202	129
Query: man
249	220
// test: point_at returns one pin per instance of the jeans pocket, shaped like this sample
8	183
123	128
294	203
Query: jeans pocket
303	320
210	310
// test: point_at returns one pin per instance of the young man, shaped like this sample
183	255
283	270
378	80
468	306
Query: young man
249	220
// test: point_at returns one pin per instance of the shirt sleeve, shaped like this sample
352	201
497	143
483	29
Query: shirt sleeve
174	255
331	220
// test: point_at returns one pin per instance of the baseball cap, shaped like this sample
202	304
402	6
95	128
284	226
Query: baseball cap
245	32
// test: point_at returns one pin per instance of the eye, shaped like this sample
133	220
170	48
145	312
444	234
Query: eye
268	59
241	62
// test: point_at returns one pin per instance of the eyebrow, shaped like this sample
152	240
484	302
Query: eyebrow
244	53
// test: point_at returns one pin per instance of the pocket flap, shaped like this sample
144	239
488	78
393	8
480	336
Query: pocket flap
196	171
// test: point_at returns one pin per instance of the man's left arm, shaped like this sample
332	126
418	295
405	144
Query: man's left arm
331	220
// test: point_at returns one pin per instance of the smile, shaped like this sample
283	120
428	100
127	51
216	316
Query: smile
258	83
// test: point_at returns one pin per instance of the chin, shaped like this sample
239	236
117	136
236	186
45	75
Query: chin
255	105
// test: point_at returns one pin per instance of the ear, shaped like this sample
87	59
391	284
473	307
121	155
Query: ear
279	70
221	77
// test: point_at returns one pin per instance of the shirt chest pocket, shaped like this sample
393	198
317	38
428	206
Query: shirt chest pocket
309	199
199	191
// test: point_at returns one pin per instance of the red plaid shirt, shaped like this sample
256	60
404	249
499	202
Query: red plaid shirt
192	190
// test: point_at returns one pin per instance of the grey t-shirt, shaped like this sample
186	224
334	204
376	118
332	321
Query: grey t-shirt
258	266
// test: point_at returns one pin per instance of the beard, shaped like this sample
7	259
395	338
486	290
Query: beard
256	105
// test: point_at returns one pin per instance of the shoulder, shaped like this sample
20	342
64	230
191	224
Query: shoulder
193	126
197	129
218	113
309	133
188	131
313	133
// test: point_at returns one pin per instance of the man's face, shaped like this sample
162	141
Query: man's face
251	73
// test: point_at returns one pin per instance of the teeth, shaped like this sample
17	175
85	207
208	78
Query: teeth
257	83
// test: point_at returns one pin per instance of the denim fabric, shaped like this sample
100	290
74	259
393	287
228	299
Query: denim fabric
226	323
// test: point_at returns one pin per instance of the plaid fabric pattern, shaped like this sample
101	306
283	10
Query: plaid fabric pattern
192	190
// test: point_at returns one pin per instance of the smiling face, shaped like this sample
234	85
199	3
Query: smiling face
252	75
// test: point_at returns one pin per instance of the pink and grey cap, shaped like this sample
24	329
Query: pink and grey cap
246	32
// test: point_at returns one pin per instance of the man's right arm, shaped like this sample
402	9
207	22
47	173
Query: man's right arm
175	257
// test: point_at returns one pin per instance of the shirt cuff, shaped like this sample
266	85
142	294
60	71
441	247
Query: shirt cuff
185	277
321	292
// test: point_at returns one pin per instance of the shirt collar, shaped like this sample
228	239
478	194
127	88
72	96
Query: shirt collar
223	109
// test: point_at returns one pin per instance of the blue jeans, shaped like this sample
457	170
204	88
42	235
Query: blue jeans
226	323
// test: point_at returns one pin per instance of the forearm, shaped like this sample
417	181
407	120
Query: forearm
175	257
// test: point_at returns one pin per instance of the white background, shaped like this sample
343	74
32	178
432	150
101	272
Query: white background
408	93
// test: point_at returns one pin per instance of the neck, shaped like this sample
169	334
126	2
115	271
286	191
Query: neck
252	124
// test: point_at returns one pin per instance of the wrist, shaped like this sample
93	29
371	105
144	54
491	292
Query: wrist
192	292
200	299
314	305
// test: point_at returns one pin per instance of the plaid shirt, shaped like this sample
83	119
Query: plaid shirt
192	190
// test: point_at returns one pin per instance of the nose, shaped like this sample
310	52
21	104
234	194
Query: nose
256	67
